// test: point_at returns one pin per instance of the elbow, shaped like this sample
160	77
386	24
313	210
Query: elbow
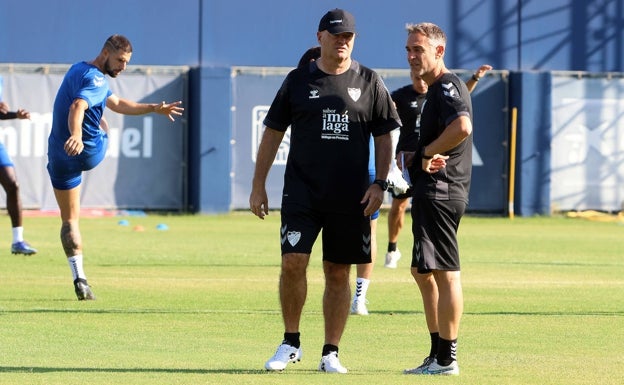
465	128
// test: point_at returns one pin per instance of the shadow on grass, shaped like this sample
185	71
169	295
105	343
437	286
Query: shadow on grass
377	312
42	369
135	311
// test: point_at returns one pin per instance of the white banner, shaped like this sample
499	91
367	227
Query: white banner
587	147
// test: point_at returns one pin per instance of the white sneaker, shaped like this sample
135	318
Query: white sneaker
331	364
420	369
392	257
436	369
285	353
358	307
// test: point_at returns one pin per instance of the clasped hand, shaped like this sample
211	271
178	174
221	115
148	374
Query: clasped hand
430	166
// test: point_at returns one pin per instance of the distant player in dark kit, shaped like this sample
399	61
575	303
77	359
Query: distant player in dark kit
332	105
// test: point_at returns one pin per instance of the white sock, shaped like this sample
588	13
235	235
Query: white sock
75	265
361	287
18	234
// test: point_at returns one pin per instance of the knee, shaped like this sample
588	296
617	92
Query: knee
422	280
336	274
294	265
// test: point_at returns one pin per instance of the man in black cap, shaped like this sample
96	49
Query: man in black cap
333	105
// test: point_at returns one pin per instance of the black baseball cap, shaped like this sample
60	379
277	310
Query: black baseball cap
337	21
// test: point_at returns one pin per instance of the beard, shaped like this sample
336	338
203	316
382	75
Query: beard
109	71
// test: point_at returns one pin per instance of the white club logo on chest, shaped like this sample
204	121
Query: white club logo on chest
355	93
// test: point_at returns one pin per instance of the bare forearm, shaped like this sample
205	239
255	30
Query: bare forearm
74	120
128	107
269	145
383	156
451	137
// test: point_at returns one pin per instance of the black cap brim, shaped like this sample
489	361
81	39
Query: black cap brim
339	29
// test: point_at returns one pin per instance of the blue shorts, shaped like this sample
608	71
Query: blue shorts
371	178
5	161
66	171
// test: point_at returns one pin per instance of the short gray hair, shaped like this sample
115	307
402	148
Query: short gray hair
435	34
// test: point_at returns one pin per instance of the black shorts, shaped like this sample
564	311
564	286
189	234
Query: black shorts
346	237
434	226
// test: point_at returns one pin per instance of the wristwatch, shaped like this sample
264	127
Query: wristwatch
381	183
422	153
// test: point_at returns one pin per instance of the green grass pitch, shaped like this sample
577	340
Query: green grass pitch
198	304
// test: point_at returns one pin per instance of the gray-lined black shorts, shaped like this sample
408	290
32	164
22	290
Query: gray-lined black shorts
434	226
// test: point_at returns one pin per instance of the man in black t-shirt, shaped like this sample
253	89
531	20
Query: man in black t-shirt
440	170
333	106
409	101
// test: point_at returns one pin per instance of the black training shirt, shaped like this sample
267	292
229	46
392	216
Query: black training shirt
409	105
447	99
332	118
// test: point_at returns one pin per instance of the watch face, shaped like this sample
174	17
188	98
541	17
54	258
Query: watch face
382	183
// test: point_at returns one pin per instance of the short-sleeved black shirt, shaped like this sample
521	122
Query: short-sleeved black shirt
409	105
447	99
332	118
